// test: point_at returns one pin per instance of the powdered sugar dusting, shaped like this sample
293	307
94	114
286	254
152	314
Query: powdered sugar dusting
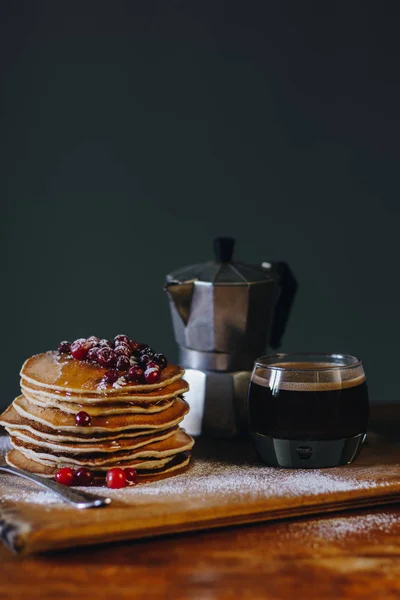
17	490
208	479
21	493
222	473
231	479
340	528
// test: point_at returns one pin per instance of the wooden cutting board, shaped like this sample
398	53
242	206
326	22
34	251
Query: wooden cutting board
224	486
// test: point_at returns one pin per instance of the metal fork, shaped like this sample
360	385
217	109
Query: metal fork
79	499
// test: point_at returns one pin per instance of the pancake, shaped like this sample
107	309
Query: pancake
56	419
92	446
11	420
63	373
147	464
113	408
143	398
131	424
174	444
179	464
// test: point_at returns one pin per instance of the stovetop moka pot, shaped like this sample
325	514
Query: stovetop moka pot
225	312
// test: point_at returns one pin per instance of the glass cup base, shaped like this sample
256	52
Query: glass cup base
307	454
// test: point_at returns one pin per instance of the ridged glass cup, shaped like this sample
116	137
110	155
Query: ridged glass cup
308	410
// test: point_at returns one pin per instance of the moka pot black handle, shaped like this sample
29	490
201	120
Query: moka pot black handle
287	285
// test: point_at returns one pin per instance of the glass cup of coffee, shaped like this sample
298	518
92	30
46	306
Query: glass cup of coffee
308	410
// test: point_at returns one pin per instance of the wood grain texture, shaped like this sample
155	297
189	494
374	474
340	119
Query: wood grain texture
352	555
272	561
250	493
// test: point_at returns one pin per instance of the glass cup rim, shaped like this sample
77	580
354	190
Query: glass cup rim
263	362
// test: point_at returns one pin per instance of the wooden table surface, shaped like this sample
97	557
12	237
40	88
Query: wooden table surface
344	555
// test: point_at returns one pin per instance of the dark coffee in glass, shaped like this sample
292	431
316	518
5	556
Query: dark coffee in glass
308	411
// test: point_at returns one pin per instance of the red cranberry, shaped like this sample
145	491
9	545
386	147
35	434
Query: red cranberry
161	360
84	476
121	339
123	350
152	375
111	376
152	365
65	476
92	354
116	478
122	363
131	475
82	419
135	373
80	348
93	339
106	357
105	342
64	347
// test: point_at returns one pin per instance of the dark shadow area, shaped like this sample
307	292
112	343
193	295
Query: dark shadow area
238	451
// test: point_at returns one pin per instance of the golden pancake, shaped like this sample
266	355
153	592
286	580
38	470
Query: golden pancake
12	420
55	418
178	465
142	398
60	372
178	442
91	446
129	424
113	408
147	464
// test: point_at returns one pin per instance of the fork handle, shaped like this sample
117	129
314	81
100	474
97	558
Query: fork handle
79	499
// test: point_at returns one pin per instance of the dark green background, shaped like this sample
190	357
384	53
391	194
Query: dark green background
132	133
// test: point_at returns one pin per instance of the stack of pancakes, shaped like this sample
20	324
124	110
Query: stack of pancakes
132	425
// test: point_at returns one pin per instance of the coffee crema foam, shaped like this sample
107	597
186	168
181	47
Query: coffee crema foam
309	377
